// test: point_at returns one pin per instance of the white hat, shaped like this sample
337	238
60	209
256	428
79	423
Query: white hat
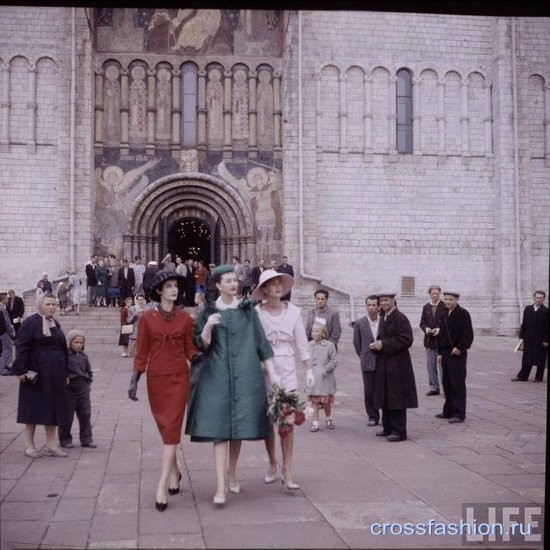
267	275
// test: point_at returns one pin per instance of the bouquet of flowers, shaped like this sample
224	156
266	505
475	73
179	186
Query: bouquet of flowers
285	409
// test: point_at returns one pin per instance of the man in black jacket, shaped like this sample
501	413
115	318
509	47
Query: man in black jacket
432	313
91	280
16	310
534	333
148	275
456	336
126	281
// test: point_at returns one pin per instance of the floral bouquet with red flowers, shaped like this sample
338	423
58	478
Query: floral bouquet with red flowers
286	410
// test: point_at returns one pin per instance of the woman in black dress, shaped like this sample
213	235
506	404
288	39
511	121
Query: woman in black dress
41	348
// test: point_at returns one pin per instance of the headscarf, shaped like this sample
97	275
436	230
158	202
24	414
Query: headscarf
47	324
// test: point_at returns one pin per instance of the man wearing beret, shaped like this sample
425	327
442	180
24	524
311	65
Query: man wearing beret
394	384
455	339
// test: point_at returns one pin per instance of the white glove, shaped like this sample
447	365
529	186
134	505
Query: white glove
310	379
206	333
274	378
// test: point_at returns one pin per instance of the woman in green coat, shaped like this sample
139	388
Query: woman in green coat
228	400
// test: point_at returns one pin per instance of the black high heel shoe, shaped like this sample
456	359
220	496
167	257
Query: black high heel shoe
177	489
161	506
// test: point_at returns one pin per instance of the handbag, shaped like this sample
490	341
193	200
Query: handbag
127	329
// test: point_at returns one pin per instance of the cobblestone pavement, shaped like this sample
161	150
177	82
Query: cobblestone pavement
350	479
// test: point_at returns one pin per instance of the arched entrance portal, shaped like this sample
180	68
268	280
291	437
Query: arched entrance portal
157	211
191	238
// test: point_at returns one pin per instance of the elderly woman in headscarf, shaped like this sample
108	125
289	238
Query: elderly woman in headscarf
41	366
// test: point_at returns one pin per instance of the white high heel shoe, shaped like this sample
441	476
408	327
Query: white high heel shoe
271	477
289	484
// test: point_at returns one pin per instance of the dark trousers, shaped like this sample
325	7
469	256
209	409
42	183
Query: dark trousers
368	388
454	384
394	421
527	365
79	402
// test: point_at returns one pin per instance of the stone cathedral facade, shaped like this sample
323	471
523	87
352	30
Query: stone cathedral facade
374	149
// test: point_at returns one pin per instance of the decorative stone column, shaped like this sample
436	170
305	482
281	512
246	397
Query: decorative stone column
227	143
201	113
367	117
98	140
417	116
465	119
252	115
124	112
547	124
441	116
488	119
277	117
392	118
176	113
343	117
151	109
318	115
32	106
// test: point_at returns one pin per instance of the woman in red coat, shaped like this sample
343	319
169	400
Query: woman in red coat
164	344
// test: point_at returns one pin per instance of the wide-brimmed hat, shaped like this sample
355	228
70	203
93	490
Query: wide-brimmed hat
267	275
164	275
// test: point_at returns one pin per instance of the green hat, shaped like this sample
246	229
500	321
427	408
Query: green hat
222	270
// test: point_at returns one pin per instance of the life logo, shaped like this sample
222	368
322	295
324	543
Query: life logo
511	524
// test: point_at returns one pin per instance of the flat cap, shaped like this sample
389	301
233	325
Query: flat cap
451	293
387	294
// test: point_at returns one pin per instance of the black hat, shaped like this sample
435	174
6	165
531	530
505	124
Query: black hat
164	275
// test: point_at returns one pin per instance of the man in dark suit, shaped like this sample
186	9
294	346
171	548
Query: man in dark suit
285	267
534	333
91	280
126	281
365	331
394	385
256	272
432	313
16	310
456	336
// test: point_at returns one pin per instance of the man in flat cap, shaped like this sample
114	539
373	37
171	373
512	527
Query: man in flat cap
394	384
534	333
455	339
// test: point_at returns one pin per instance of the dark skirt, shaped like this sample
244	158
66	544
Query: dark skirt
168	398
123	339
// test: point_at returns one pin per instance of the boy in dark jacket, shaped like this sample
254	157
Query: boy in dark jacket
80	379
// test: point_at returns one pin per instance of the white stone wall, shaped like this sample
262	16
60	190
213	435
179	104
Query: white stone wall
445	214
35	48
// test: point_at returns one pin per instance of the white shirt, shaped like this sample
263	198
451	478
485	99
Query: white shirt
374	325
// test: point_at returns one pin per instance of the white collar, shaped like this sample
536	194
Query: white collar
222	306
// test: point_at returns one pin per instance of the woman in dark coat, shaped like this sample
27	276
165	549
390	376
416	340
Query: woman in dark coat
101	291
164	345
41	348
228	401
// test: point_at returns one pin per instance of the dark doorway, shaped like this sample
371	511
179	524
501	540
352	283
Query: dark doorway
190	238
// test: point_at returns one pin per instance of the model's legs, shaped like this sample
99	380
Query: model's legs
220	459
234	451
168	457
270	448
51	433
287	445
29	436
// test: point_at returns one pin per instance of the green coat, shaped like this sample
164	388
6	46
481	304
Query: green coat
228	397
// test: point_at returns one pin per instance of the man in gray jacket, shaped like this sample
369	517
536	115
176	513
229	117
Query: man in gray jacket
365	331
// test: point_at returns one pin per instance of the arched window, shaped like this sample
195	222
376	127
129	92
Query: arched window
404	112
189	105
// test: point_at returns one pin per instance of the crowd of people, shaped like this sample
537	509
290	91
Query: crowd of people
226	360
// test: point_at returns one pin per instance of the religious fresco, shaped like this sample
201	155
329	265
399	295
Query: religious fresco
167	104
189	31
119	179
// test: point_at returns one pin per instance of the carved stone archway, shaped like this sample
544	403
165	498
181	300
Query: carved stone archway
190	194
